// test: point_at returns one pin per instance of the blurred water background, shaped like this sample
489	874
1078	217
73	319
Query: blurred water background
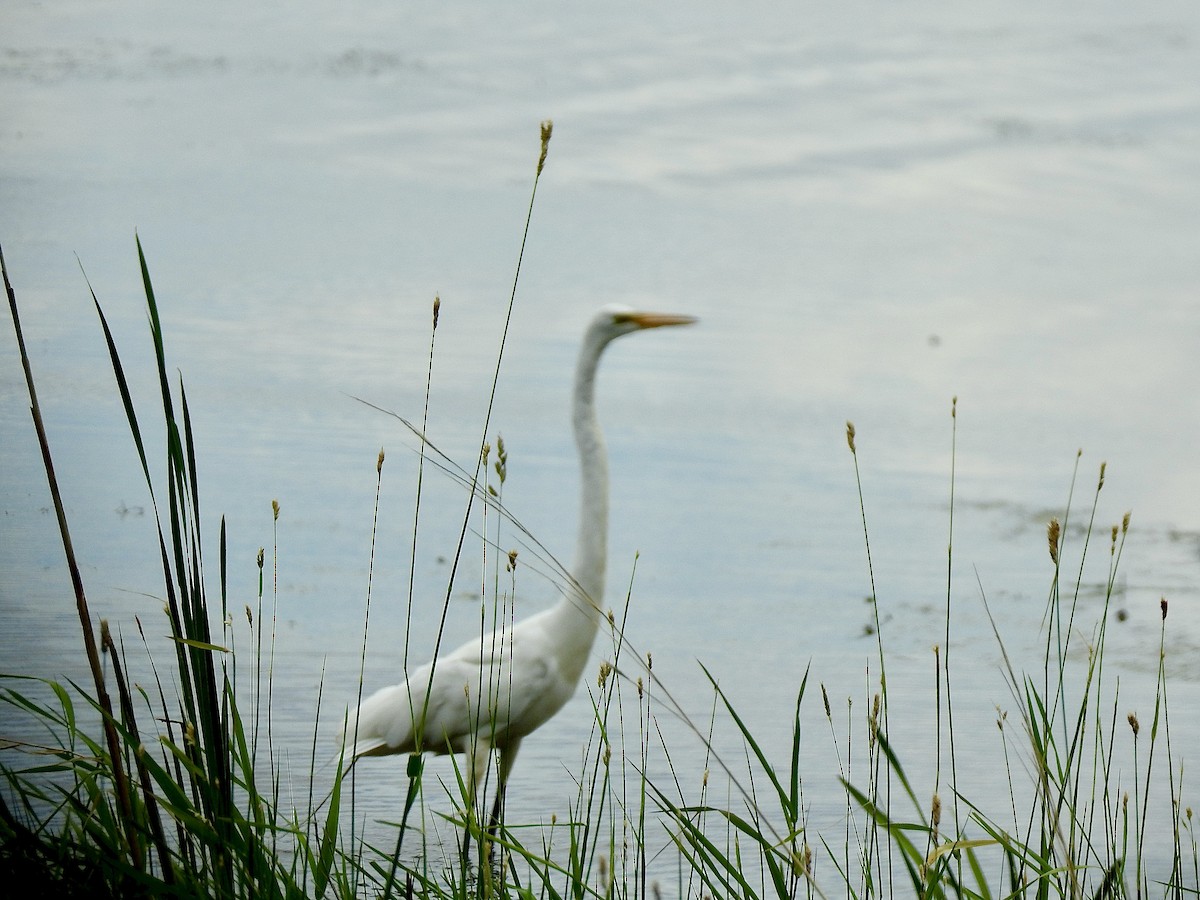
872	211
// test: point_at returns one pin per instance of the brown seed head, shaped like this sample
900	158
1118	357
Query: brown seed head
1125	522
275	509
1133	723
1103	466
1163	605
379	462
605	669
825	697
954	407
1053	532
261	552
935	814
547	130
437	306
512	560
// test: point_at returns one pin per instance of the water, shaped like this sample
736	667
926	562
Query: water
869	219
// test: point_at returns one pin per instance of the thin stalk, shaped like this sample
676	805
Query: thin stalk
883	693
946	648
362	662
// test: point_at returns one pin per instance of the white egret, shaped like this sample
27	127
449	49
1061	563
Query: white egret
492	692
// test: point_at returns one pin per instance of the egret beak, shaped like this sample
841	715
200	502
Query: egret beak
657	320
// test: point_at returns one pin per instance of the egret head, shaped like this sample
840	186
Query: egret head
614	321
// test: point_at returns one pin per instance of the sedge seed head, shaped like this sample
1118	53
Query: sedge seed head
1053	533
1125	522
261	552
379	462
512	560
547	130
1100	484
935	814
850	436
1162	603
437	306
605	670
825	699
275	509
1133	723
249	616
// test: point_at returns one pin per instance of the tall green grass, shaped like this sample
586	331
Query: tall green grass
176	790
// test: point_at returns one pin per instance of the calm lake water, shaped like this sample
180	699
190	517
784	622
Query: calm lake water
869	218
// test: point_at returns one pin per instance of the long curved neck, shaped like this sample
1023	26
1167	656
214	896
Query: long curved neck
591	548
579	610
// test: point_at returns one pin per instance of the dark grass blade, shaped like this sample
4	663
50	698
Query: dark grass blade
85	617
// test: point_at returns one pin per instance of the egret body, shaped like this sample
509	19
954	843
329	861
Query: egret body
493	691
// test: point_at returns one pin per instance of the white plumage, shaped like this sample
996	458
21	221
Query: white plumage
493	691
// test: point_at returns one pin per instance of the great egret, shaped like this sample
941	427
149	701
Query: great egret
493	691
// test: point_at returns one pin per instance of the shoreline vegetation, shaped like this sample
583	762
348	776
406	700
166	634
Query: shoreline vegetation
173	788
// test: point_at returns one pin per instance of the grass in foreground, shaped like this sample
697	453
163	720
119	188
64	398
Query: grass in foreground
175	790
